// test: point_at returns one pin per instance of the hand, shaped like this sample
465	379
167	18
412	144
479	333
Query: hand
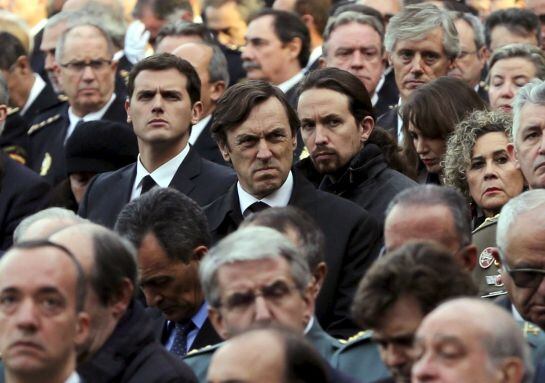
136	41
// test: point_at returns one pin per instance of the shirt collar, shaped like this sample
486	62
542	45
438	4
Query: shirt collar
73	378
374	98
399	124
309	325
94	116
162	176
288	84
278	198
314	55
197	129
37	87
200	316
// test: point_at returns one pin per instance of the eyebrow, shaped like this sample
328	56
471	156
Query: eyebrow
500	151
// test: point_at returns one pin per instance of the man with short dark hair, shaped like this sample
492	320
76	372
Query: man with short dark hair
396	294
512	25
172	35
170	233
277	49
121	346
42	290
258	138
154	14
337	125
422	44
87	78
164	100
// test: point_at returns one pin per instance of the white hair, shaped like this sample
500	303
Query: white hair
531	93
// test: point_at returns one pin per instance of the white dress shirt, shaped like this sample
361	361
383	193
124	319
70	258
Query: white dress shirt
162	176
279	198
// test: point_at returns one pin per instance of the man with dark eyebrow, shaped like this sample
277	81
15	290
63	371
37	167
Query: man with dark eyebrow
163	102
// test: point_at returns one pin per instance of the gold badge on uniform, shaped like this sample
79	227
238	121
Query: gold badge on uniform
486	259
46	164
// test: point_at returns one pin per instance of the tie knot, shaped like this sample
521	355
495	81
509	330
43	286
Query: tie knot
147	184
256	207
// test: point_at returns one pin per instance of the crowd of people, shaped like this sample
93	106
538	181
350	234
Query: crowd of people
283	191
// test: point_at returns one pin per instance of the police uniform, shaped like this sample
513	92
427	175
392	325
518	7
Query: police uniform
359	357
487	271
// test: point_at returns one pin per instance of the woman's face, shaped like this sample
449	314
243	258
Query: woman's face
492	177
507	76
429	150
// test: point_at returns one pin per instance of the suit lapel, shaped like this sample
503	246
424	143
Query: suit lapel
190	168
126	180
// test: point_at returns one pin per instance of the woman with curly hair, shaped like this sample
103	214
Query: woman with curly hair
478	164
429	117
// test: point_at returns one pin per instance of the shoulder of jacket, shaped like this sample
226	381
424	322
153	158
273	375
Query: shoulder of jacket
39	125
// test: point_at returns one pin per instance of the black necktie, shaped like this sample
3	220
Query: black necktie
147	184
256	207
179	346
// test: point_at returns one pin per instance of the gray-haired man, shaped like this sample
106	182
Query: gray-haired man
422	44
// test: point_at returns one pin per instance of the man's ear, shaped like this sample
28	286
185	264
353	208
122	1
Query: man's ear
123	299
23	64
196	112
322	63
128	110
366	125
224	149
82	328
319	275
217	321
467	258
3	112
216	90
512	151
199	252
294	46
511	370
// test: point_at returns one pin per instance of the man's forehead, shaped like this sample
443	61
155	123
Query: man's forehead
432	40
160	79
261	271
261	27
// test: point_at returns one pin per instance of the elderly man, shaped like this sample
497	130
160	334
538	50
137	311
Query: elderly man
422	44
529	133
211	66
337	126
121	346
520	229
42	290
355	42
512	25
471	61
171	234
394	296
258	138
240	266
455	344
164	100
87	78
277	49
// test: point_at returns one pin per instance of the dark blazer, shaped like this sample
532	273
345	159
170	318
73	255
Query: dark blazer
207	147
47	136
352	242
207	335
388	122
14	139
22	192
388	95
108	193
133	355
46	99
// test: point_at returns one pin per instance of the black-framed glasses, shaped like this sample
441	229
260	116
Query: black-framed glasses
80	65
525	277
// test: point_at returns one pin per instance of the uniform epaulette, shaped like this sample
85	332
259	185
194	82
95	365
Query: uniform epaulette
43	123
12	110
487	222
62	98
530	328
203	350
360	335
304	153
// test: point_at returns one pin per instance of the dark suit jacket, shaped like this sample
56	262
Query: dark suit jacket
22	193
207	335
108	193
388	95
46	99
388	122
352	242
48	134
207	147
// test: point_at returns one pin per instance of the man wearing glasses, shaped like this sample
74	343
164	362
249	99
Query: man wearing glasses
520	236
86	73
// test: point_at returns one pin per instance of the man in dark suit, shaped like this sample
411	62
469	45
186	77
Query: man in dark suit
121	346
87	78
258	138
211	65
171	234
422	43
164	99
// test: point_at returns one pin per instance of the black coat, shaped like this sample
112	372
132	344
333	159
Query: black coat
22	192
352	243
46	100
108	193
132	354
47	136
207	147
369	182
389	122
388	95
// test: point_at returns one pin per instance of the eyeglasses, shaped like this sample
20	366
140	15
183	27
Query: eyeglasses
79	66
525	277
273	293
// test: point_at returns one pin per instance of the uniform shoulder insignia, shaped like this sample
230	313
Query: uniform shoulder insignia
487	222
530	328
360	335
12	110
62	97
43	123
203	350
304	153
